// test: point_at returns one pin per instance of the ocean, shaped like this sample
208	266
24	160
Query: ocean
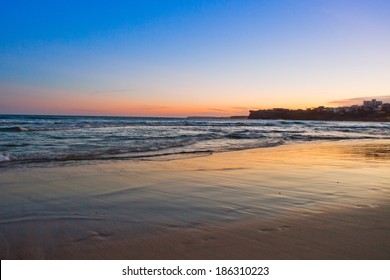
28	139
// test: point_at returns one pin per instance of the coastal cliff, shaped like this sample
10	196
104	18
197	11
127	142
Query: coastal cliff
369	111
287	114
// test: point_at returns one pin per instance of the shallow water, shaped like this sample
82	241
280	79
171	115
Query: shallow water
48	139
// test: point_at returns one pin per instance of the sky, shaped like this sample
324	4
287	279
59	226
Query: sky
181	58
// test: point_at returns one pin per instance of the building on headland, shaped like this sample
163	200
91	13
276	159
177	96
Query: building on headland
372	104
371	110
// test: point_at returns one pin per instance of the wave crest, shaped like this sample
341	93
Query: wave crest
13	129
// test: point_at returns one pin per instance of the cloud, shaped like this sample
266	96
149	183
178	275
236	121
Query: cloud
359	100
217	110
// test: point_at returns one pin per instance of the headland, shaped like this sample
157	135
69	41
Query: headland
373	110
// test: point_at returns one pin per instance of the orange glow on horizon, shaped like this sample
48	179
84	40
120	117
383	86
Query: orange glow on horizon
30	100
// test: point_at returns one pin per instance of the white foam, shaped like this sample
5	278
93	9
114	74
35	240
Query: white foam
4	157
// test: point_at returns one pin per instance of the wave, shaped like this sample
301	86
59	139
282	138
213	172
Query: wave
108	156
108	123
10	145
37	129
295	122
188	146
65	139
96	124
13	129
329	137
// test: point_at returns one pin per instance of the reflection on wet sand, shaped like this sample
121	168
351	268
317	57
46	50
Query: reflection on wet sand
140	208
370	151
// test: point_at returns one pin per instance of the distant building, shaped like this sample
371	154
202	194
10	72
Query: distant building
355	107
372	104
336	110
367	104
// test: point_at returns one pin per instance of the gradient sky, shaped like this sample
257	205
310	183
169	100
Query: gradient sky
178	58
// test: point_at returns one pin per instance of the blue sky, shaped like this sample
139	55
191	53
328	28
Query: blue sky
190	57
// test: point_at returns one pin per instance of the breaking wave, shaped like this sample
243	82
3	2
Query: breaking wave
31	139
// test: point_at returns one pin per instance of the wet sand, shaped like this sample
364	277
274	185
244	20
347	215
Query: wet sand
303	201
355	234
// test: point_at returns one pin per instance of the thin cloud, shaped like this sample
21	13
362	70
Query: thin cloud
217	110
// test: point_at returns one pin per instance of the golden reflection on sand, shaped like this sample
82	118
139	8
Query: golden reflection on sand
135	206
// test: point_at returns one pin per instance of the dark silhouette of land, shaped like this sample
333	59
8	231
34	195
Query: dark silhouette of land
370	111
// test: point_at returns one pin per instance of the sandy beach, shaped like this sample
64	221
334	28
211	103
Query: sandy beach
328	200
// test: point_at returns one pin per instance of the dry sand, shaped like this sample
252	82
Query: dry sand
306	201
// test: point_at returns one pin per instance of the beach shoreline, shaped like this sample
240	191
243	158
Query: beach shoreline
327	200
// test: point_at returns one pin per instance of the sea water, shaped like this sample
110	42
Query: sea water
27	139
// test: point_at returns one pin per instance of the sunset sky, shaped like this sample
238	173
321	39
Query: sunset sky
179	58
